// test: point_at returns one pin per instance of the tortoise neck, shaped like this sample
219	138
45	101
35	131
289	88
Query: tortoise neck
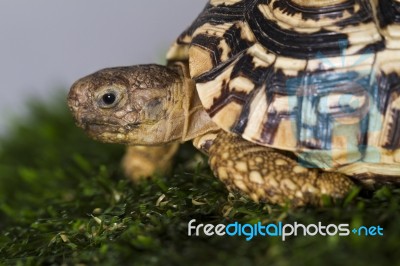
197	122
189	119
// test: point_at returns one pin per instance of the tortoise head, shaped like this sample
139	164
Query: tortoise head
137	105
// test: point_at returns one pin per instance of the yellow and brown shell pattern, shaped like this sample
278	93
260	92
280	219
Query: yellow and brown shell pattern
320	78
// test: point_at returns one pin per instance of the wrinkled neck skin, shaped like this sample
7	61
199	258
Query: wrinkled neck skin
186	108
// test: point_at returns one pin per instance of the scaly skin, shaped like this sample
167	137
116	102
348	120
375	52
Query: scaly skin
266	174
145	161
153	106
147	99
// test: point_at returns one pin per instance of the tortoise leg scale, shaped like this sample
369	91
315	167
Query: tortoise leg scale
268	175
144	161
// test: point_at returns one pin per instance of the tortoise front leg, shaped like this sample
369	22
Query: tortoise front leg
144	161
266	174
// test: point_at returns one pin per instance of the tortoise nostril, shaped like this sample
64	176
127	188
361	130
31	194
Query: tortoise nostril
78	96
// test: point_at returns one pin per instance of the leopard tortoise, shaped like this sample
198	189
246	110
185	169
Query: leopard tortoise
291	99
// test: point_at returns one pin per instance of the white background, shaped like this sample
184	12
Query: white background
45	45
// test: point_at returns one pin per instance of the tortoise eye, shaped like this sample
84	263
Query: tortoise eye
109	98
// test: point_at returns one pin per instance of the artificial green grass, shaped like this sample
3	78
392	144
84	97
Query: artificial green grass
64	200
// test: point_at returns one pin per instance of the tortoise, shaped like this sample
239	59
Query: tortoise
290	99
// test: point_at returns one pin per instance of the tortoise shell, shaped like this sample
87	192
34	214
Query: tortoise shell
319	78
